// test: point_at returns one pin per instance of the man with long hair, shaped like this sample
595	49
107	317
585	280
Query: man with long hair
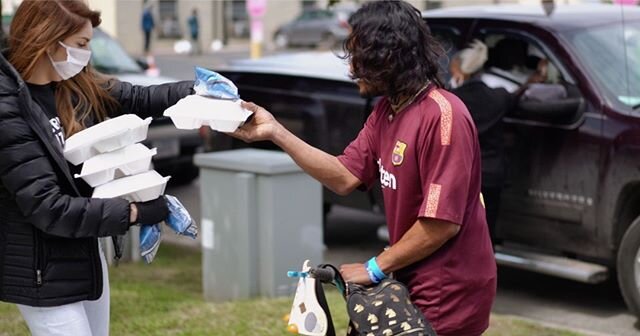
420	143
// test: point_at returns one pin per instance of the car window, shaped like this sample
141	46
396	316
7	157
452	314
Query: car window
306	16
612	55
449	38
513	60
326	14
107	56
315	15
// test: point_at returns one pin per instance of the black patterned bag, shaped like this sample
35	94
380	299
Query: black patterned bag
384	309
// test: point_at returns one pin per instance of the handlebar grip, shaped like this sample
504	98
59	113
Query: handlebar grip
326	275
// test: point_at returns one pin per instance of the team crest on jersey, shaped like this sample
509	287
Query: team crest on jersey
398	153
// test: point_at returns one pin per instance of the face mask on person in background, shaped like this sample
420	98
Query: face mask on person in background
453	83
77	59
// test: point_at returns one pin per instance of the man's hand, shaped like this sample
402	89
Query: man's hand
263	126
355	273
322	166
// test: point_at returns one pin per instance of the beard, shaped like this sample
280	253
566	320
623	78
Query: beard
367	90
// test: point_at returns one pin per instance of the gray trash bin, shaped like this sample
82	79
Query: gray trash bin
261	216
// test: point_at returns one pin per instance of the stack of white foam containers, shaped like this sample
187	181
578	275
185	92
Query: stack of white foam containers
116	164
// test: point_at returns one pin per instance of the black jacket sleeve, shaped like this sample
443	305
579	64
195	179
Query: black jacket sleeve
28	174
147	101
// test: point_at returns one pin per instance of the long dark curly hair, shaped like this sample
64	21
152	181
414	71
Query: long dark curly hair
391	49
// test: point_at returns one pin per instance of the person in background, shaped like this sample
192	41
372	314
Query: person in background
194	31
421	145
147	26
487	107
51	263
513	63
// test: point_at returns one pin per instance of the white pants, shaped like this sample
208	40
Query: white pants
85	318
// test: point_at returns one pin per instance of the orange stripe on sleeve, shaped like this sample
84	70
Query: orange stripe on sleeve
433	200
446	116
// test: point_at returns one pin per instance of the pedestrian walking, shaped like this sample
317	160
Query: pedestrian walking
147	26
420	144
194	31
51	263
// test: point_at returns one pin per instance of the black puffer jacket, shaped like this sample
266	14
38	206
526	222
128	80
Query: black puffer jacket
48	231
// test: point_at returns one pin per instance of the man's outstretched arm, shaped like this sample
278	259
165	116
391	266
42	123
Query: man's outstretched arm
325	168
423	239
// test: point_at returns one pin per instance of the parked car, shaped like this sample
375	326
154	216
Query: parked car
175	147
571	206
315	27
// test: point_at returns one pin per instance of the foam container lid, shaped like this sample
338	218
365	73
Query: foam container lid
107	136
193	112
137	188
116	159
102	168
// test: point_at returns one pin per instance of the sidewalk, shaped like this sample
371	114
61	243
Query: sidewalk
165	47
180	66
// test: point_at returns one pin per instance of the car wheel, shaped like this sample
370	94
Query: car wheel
281	40
628	264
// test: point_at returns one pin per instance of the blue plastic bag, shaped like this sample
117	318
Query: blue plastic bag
179	220
150	237
212	84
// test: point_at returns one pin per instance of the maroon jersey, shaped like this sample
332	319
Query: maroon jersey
427	160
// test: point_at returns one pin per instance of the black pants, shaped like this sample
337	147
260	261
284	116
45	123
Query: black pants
147	41
195	44
491	197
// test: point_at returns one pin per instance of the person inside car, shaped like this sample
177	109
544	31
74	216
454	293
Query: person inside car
512	65
421	145
487	107
51	262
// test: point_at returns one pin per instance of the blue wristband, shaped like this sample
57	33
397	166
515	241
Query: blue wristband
372	277
375	273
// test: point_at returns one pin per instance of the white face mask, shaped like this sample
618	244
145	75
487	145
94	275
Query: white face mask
77	59
453	83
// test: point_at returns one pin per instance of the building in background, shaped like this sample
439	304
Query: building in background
222	20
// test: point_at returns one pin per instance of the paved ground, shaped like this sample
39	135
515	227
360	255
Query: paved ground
352	237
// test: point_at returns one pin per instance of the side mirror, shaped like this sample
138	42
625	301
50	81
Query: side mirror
562	111
550	103
142	63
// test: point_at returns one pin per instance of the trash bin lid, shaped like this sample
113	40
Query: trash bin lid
257	161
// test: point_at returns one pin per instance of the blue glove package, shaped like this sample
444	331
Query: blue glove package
212	84
150	237
179	219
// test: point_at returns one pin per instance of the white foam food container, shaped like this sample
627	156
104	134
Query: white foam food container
137	188
107	136
193	112
102	168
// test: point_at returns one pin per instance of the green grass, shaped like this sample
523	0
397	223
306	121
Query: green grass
165	299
